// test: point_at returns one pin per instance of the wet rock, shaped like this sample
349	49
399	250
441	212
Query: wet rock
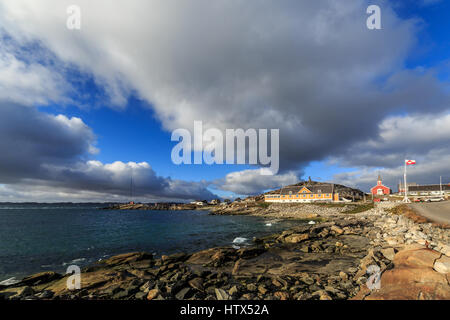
126	258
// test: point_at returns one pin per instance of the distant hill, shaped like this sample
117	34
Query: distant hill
344	191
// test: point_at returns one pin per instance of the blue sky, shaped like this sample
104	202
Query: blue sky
349	102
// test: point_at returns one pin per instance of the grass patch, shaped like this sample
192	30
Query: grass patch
352	209
264	205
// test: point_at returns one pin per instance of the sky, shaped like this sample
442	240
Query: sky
84	110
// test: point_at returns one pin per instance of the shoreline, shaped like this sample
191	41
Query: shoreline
325	260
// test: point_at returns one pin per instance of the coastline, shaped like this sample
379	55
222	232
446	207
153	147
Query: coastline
325	260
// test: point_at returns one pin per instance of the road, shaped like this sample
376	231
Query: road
435	211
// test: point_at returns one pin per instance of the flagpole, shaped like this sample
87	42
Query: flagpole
406	200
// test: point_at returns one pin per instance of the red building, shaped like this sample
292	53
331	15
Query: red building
380	189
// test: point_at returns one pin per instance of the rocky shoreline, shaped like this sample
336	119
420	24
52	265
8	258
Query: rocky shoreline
325	260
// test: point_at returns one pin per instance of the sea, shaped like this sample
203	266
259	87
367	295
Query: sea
51	237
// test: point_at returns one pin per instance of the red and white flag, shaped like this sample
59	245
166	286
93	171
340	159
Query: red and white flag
409	162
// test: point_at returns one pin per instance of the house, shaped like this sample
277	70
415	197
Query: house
215	201
199	202
429	190
306	193
380	189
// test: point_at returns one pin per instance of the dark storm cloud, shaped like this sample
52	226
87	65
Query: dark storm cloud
52	152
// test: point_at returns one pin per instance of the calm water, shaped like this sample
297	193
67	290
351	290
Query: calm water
35	238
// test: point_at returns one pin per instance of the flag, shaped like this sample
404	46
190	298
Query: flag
409	162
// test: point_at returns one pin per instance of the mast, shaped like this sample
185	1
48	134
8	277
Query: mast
406	200
131	186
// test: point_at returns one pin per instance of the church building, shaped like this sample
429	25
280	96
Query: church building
380	189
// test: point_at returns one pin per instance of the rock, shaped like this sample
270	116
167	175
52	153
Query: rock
121	294
46	294
281	295
176	257
388	253
25	292
197	283
262	289
221	294
184	293
305	249
251	287
417	258
322	295
140	295
248	253
343	275
442	265
146	287
337	230
236	267
126	258
233	291
40	278
296	238
152	294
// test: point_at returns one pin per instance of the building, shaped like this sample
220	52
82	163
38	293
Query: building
215	201
401	188
380	189
429	190
314	193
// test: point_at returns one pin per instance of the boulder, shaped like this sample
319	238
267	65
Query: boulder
296	238
442	265
388	253
416	258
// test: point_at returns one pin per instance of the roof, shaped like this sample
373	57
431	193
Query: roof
325	188
431	187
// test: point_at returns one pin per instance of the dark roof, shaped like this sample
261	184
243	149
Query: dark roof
325	188
431	187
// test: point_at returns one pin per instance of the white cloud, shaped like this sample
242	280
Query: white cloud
250	182
425	139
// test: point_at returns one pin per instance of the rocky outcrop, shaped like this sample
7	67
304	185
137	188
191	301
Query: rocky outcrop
326	260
